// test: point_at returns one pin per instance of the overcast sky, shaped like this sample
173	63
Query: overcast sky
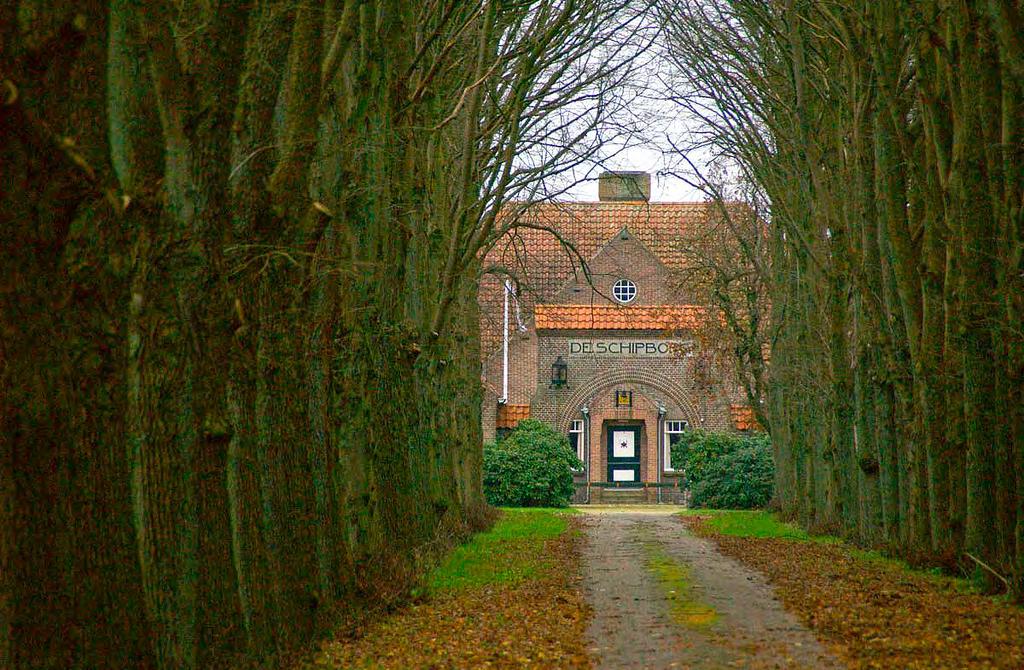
664	187
642	130
660	125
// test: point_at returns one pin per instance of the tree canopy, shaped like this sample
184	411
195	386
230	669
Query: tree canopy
883	144
239	366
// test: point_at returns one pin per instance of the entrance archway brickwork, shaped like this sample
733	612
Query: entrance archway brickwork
651	382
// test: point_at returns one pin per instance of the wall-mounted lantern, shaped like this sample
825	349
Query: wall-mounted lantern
559	373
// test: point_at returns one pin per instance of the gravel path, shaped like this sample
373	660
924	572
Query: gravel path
663	598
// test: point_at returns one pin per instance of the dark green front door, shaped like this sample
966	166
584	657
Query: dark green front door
624	455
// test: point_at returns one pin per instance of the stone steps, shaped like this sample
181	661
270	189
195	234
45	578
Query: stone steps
623	496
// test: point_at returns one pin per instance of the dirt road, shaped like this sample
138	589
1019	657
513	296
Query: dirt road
663	598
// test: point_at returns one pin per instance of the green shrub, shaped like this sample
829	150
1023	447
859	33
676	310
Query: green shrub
531	467
725	470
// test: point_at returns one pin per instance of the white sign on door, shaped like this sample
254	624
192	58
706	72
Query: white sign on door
622	444
623	475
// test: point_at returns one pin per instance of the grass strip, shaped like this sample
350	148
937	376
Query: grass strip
754	523
510	552
760	524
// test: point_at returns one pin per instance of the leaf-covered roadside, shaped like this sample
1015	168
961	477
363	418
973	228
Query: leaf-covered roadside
876	613
533	618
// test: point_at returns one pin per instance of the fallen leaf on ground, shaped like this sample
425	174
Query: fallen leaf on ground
877	614
536	623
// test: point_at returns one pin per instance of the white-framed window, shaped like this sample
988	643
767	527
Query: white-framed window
577	438
673	433
624	291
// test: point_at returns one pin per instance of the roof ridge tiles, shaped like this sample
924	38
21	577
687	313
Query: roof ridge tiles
618	317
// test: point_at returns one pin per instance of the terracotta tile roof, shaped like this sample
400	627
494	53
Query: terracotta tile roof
542	265
542	261
616	317
743	417
509	416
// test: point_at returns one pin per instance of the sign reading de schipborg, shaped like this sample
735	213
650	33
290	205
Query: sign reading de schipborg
622	347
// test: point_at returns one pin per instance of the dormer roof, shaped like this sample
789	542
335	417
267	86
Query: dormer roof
539	261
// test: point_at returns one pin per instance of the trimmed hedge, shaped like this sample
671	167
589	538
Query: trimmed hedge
725	470
531	467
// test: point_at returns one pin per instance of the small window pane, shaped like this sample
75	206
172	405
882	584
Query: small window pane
624	291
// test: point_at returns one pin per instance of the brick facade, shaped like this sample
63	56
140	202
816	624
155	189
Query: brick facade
644	348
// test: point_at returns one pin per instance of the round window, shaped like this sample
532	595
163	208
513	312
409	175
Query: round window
624	291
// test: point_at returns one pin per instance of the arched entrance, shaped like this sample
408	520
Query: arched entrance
655	385
624	415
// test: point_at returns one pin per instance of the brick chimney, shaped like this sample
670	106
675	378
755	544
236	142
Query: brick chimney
626	186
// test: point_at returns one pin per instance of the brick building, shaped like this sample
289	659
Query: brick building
610	362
